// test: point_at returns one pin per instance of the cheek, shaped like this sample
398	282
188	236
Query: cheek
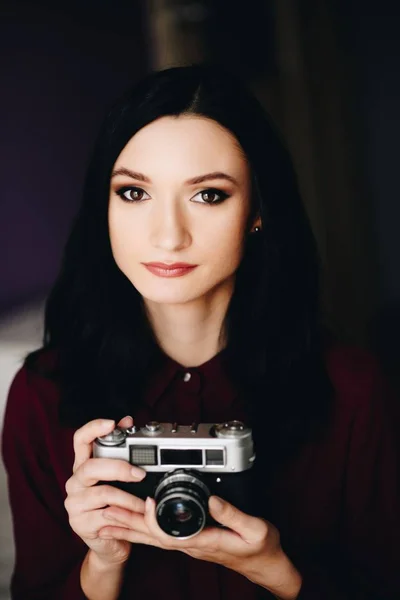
123	236
225	246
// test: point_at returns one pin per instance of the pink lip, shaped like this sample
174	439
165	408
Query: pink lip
174	270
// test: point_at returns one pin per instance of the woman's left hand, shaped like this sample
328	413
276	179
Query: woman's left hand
251	546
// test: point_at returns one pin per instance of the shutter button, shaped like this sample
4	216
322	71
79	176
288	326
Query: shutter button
153	426
187	377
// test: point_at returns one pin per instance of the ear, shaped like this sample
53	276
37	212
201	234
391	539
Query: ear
256	223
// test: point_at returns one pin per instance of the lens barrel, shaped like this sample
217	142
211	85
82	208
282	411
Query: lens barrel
182	503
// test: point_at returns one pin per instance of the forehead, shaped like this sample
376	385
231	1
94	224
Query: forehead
188	143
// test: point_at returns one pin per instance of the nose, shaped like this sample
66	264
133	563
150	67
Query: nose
169	230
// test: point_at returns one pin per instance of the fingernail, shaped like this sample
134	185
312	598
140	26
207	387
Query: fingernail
138	473
148	504
106	423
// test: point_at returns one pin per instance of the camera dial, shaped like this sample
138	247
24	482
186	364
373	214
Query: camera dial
115	438
231	429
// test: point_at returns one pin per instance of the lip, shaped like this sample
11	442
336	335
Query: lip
169	270
160	265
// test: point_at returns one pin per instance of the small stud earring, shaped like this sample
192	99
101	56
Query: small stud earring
256	229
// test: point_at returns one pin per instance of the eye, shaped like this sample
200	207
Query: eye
132	194
210	196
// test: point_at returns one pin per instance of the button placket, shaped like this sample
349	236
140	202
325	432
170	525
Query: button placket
189	381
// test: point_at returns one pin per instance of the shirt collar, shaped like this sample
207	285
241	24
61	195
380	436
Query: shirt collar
167	369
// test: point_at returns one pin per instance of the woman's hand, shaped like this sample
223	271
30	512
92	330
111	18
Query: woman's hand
85	502
251	546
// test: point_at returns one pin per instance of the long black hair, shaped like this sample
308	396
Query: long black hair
96	329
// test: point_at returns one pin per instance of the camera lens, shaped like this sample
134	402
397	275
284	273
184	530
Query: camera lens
182	513
182	500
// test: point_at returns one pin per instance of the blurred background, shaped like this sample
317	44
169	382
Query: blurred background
328	72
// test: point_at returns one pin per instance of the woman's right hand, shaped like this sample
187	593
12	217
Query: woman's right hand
86	501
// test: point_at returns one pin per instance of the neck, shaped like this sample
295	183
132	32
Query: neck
191	333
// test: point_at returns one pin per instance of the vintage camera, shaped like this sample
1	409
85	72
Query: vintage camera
185	465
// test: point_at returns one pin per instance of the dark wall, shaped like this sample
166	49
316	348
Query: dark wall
371	38
372	41
60	69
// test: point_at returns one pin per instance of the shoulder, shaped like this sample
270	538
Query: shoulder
359	382
33	396
32	430
37	450
351	368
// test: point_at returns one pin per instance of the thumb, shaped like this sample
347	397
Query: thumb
226	514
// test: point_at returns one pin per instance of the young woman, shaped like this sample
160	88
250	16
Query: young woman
189	292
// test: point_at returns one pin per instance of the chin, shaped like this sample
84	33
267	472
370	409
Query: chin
182	289
171	294
169	298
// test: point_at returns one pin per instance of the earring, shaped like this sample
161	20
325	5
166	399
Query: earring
256	229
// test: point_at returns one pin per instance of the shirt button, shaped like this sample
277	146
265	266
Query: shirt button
187	377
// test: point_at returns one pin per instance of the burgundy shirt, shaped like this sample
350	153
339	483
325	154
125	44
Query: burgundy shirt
336	504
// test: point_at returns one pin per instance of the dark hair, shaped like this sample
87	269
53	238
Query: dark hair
95	323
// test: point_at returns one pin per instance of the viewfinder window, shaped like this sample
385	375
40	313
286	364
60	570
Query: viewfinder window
181	457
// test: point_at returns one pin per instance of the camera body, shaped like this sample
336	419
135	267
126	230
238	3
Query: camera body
185	465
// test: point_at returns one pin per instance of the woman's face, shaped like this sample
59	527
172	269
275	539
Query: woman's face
179	193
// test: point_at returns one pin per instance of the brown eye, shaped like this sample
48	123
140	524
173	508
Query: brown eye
132	194
135	194
210	196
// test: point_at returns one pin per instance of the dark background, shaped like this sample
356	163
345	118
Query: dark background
60	70
327	70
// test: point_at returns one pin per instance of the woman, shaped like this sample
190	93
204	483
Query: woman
189	172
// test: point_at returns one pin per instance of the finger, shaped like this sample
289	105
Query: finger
88	525
249	528
135	537
85	436
167	541
94	470
151	522
100	496
126	518
126	422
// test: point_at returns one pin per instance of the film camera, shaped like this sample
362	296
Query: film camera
185	465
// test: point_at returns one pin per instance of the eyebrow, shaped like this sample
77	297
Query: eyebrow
192	181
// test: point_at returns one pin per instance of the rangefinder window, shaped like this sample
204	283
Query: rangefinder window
143	455
181	457
214	457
